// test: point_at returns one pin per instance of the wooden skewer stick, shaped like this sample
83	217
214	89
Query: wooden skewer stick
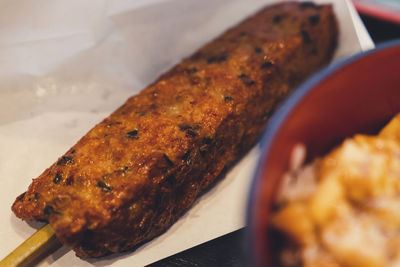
35	248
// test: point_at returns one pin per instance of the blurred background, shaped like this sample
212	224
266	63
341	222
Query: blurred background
381	17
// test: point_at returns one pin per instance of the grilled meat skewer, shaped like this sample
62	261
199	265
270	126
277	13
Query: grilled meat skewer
135	173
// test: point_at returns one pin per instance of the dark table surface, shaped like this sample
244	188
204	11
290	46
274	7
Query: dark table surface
229	250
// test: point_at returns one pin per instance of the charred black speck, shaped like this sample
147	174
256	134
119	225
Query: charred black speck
241	34
267	65
36	195
65	160
187	158
190	133
21	197
189	128
140	113
184	126
314	19
57	178
104	186
49	210
306	37
167	159
246	79
113	123
228	98
258	49
73	151
133	134
192	70
217	59
277	19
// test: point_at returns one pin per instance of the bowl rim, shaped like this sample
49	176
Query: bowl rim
278	119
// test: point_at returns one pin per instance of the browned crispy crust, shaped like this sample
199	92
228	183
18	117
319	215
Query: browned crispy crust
135	173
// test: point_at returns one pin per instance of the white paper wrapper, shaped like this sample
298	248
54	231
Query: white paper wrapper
65	65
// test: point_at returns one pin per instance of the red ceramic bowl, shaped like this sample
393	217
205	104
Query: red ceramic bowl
358	95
